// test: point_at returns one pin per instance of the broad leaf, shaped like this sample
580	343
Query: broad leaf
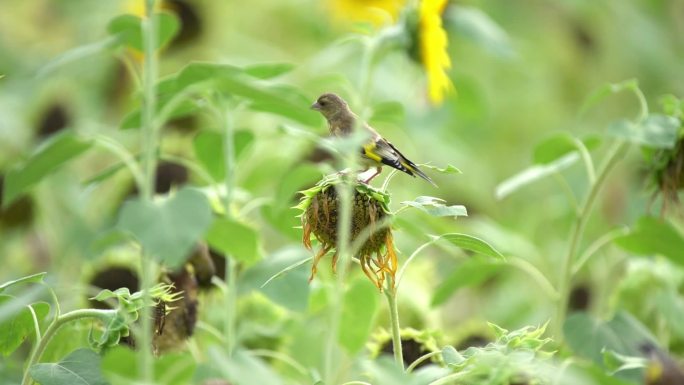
268	70
652	236
282	277
234	239
242	368
469	273
208	148
588	336
656	131
449	169
533	174
80	367
169	229
50	156
358	310
15	328
120	367
436	207
451	356
559	145
471	243
128	28
33	278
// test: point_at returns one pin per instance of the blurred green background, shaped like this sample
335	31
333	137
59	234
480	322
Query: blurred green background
522	71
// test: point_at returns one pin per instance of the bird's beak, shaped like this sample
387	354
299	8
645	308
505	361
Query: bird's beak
316	106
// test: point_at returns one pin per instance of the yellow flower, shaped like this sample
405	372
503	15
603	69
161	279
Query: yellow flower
433	49
375	12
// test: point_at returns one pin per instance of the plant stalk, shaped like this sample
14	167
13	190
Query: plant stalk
613	156
230	327
391	295
150	146
52	330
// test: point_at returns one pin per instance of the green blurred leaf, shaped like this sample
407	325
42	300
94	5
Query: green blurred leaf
120	367
616	362
129	29
58	150
451	356
652	236
208	148
168	230
471	272
533	174
588	336
77	53
605	91
559	145
358	310
234	239
183	109
33	278
268	70
471	243
478	27
286	276
436	207
656	131
449	169
15	328
82	367
242	368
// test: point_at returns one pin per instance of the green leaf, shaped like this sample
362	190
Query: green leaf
588	336
58	150
120	367
77	53
559	145
358	310
451	356
469	273
268	70
16	327
208	148
616	362
656	131
169	229
436	207
449	169
471	243
33	278
533	174
477	26
129	29
80	367
234	239
651	236
607	90
242	368
286	276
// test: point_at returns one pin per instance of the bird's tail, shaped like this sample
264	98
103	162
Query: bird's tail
414	169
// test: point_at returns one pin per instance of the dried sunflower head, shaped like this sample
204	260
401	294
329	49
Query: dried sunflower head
369	212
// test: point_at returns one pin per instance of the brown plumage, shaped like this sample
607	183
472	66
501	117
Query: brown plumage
378	151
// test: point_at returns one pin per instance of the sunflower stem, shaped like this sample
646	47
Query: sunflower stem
391	295
150	146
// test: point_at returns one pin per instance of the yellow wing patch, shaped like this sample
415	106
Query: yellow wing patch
368	152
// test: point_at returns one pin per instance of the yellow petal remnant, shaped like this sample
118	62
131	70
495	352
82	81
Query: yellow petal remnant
375	12
433	49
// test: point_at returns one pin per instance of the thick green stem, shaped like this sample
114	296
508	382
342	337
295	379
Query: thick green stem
614	154
50	332
391	295
150	146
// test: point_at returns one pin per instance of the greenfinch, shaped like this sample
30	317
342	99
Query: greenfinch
378	151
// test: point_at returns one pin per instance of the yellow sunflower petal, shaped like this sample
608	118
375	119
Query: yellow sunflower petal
433	49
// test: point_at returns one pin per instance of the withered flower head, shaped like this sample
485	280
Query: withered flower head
369	211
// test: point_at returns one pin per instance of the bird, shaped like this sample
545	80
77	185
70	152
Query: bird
661	368
378	151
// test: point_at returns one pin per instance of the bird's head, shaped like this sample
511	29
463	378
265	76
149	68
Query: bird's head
330	105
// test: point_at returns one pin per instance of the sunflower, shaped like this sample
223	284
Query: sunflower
433	43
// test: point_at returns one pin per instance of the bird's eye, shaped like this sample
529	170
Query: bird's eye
322	103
